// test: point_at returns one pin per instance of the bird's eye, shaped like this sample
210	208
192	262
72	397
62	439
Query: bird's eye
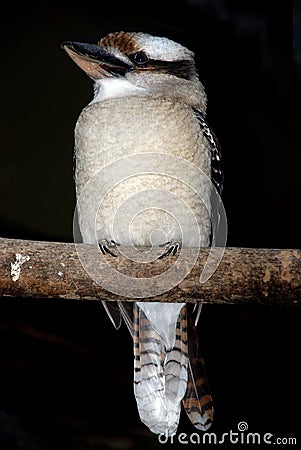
140	58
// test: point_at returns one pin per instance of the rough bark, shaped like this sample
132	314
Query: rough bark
55	270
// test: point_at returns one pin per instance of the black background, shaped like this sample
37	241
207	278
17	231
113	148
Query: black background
65	373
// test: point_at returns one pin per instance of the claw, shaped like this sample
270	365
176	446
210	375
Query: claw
105	245
172	248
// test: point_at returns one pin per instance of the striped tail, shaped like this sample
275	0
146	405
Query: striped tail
160	374
197	401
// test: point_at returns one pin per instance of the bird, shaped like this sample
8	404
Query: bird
148	100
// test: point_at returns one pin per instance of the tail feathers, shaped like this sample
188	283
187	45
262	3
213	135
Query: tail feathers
197	402
160	376
176	361
118	310
165	378
113	312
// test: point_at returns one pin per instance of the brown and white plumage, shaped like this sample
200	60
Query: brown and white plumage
165	377
197	401
160	373
148	99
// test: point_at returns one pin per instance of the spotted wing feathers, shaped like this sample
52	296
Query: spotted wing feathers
217	174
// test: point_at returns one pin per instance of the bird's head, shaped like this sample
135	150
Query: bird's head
130	63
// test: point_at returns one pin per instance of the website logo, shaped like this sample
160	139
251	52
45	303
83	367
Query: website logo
241	435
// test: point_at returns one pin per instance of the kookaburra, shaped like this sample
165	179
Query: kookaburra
148	101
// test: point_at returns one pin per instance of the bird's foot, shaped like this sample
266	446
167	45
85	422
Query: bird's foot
105	246
171	247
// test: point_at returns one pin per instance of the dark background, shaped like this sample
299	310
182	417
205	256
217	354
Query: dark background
65	373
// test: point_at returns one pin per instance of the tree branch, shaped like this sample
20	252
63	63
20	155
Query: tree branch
55	270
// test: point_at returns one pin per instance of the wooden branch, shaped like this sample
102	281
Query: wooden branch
55	270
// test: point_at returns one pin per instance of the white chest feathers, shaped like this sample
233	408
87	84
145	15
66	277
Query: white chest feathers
131	186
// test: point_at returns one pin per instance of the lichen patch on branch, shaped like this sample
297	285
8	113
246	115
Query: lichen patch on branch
15	267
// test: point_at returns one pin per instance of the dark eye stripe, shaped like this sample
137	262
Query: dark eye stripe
182	68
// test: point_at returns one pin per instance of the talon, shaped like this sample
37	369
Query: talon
165	245
171	250
168	252
104	247
176	248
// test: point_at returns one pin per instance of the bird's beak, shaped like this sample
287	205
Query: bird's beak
95	61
